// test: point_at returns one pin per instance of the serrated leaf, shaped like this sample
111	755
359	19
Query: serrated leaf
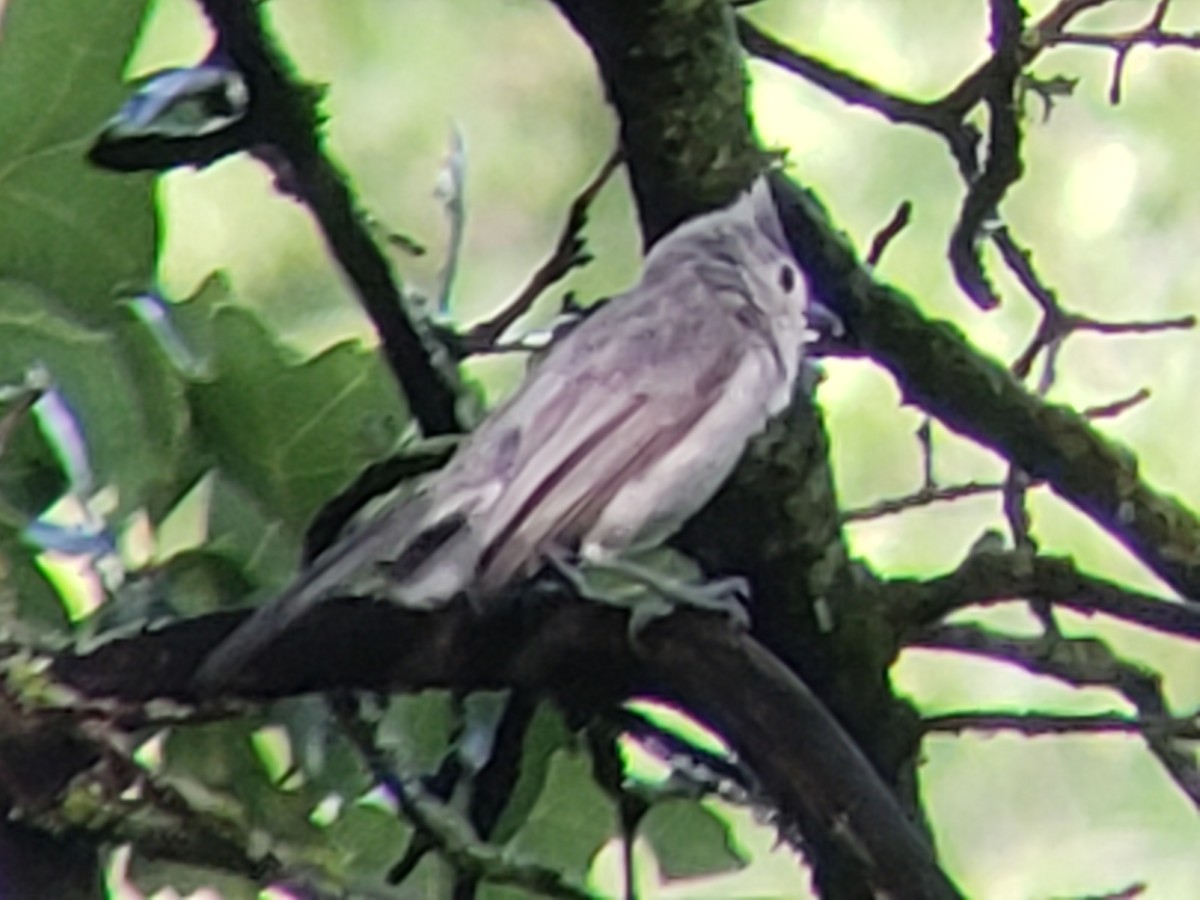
690	840
74	231
571	820
162	396
292	431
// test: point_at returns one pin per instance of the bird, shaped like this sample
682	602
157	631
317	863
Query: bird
622	431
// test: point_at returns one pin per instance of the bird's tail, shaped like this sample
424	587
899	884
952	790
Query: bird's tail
378	544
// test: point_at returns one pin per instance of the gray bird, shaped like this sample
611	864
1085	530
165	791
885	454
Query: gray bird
624	430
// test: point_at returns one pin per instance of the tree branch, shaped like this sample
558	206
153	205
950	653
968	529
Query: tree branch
985	578
1043	724
674	73
1082	662
1003	166
807	765
940	371
855	90
284	119
570	253
924	496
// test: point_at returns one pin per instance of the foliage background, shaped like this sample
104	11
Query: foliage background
1107	203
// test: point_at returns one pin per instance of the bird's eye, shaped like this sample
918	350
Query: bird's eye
787	279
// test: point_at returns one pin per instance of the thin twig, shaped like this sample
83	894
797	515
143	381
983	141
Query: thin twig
451	190
961	137
921	498
1117	407
969	92
1150	34
925	442
1081	662
1003	166
1182	323
898	222
1042	724
568	255
984	579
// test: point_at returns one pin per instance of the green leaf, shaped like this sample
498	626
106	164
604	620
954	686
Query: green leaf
367	841
290	431
571	821
26	597
244	532
77	233
546	735
134	438
198	581
690	840
30	476
431	880
319	748
216	768
416	730
73	237
161	397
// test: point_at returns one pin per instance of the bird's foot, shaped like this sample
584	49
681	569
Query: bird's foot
653	584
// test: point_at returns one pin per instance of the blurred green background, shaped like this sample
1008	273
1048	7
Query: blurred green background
1109	205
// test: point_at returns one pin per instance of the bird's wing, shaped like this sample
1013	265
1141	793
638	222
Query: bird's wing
379	538
556	505
620	399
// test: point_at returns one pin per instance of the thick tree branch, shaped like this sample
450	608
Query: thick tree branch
805	762
673	70
792	743
986	578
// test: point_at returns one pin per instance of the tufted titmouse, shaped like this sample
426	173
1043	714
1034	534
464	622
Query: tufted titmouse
624	430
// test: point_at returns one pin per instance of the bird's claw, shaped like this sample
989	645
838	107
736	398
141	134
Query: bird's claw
651	594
